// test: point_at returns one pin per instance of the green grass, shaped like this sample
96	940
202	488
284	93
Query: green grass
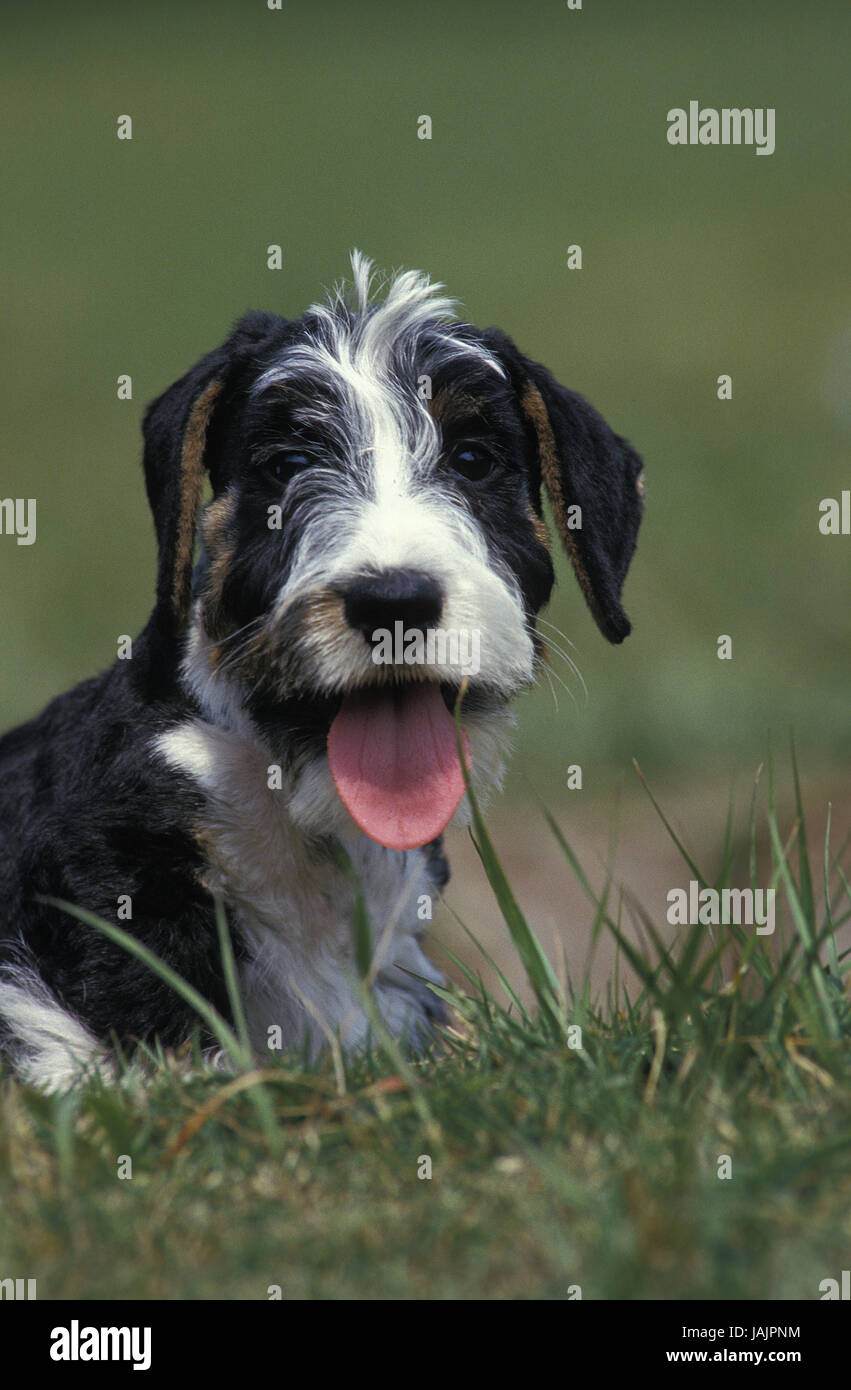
553	1165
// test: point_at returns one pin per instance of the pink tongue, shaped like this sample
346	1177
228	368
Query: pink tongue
394	760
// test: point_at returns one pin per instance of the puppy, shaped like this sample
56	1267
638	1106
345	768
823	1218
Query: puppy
282	735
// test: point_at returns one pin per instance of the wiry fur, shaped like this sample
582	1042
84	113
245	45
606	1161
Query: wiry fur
48	1046
152	781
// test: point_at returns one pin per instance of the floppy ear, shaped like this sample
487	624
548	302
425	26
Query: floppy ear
583	465
177	428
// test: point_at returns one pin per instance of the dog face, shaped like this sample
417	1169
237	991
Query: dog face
377	473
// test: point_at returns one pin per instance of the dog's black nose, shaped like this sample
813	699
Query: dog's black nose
381	600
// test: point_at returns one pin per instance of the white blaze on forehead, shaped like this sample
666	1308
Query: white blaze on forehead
387	434
366	357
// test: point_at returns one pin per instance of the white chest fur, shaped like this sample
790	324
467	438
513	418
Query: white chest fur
292	903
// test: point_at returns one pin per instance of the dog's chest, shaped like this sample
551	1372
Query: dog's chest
291	904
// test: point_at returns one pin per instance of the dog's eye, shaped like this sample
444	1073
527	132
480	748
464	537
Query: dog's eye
471	461
281	466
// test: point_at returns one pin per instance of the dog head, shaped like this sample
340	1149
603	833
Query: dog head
375	535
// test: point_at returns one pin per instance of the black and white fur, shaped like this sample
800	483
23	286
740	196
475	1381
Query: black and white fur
405	449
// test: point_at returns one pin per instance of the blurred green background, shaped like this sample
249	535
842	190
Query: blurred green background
299	127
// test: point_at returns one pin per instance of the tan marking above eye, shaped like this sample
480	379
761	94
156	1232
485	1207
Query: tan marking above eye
452	404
